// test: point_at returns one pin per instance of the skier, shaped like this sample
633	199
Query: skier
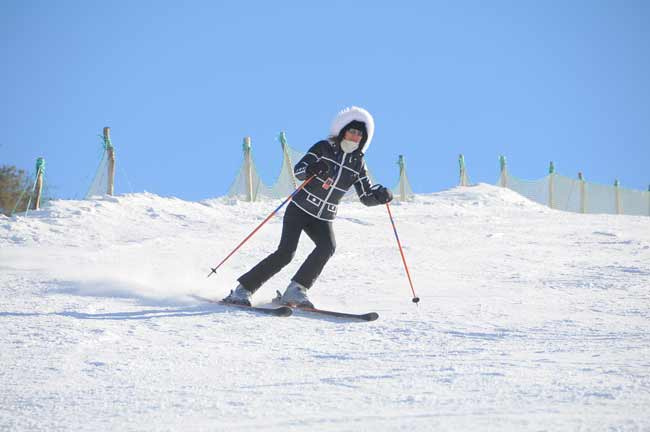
336	163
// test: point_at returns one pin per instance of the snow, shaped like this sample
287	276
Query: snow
530	319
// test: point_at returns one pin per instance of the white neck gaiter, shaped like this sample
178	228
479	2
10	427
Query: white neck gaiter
349	146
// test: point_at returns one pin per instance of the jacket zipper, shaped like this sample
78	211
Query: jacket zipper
338	176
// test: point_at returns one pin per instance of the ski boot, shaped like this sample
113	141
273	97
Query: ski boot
295	296
240	296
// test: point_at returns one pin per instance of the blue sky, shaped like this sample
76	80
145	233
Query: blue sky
181	83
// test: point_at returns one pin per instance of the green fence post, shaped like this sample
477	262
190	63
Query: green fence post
504	171
287	158
110	152
248	167
38	186
551	178
463	172
402	178
583	195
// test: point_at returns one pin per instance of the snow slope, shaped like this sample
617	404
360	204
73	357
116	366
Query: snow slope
530	319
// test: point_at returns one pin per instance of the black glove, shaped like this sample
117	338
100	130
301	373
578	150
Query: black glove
381	194
320	168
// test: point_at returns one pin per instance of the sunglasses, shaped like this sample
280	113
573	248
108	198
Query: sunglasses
356	132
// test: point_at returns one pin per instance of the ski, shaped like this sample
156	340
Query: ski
370	316
281	311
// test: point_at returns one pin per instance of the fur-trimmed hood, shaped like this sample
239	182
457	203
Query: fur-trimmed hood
350	114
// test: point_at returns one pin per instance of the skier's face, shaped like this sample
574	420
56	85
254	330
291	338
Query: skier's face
353	135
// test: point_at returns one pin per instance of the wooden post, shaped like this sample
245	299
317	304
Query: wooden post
248	166
583	195
38	187
551	178
402	178
463	172
287	158
504	171
110	152
618	196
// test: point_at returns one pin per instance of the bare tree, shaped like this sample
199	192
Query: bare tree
14	189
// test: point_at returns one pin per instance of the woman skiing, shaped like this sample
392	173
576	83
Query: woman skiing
336	164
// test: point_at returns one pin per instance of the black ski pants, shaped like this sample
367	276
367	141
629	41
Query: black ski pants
294	223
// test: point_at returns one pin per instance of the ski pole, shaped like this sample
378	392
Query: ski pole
214	270
416	299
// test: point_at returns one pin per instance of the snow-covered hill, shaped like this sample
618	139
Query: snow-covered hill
530	319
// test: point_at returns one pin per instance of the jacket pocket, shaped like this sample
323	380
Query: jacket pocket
313	199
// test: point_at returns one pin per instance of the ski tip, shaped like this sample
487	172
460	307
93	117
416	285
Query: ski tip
372	316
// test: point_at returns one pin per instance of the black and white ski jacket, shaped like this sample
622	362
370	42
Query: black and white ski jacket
321	197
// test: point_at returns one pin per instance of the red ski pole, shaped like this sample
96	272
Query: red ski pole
416	299
214	270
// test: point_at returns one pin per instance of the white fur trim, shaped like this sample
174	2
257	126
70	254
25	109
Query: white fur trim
350	114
